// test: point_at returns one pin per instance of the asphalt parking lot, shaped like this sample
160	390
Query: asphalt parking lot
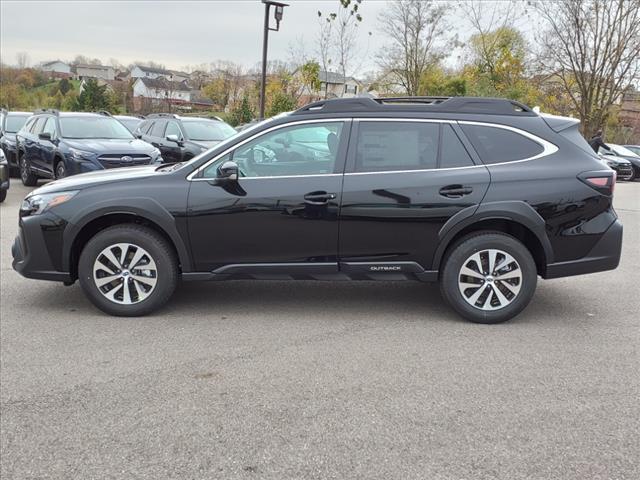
283	380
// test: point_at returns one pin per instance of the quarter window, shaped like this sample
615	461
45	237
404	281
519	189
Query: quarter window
453	154
384	146
38	125
308	149
495	145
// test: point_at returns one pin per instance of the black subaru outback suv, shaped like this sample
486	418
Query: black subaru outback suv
482	195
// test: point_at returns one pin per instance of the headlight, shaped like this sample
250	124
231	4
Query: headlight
81	155
37	204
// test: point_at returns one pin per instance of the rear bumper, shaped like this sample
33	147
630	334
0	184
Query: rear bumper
605	255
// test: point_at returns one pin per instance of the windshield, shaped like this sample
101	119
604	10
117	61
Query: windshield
15	123
93	127
130	123
620	150
207	131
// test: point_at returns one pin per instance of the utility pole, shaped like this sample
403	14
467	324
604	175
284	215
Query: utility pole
279	11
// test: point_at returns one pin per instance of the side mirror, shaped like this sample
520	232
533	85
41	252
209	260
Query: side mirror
174	138
44	136
228	171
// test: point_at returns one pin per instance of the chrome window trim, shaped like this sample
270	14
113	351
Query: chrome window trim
548	147
191	176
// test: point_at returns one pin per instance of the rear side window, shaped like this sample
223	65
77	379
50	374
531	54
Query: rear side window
496	145
384	146
145	126
453	154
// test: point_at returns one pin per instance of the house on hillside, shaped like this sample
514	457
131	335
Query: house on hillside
140	71
332	85
56	69
151	92
102	72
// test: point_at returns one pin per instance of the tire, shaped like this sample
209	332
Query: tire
29	179
146	292
3	195
495	300
61	170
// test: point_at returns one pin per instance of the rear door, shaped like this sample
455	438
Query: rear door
404	180
48	147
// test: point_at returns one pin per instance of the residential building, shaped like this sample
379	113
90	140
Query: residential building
56	69
102	72
151	92
332	85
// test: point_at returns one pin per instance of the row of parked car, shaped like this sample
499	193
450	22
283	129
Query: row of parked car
51	144
624	159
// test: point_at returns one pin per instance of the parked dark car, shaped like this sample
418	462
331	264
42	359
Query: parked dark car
56	144
622	153
482	195
132	123
622	166
182	138
10	123
634	148
4	176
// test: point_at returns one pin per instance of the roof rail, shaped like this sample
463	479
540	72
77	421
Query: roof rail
52	111
104	112
156	115
489	106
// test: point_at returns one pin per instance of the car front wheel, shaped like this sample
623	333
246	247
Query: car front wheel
489	277
128	270
29	179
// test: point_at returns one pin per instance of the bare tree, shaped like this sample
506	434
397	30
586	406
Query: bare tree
346	38
22	60
325	33
594	47
414	28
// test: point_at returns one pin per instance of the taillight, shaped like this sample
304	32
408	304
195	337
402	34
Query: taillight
604	181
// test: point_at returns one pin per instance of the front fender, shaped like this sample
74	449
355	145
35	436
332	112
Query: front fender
142	207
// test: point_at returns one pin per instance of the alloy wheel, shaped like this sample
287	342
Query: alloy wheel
490	279
24	171
125	273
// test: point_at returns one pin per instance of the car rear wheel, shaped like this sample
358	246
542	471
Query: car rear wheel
489	277
3	195
128	270
29	179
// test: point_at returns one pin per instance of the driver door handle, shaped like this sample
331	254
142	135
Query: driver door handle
455	191
319	198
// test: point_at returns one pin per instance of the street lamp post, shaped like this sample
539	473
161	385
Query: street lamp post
279	11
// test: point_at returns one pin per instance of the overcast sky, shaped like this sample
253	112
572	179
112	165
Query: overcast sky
174	33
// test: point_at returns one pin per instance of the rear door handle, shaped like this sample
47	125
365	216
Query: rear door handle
319	198
455	191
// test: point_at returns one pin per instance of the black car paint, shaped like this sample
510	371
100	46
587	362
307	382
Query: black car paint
392	225
8	141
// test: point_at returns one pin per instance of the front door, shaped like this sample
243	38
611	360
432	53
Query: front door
404	180
281	216
170	150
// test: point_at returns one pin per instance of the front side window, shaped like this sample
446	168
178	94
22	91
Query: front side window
388	146
497	145
308	149
86	127
38	125
158	128
173	129
50	127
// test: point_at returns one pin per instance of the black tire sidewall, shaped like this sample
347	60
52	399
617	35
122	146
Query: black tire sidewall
154	244
64	170
28	180
467	247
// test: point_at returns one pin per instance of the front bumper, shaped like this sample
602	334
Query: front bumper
605	255
37	249
11	152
